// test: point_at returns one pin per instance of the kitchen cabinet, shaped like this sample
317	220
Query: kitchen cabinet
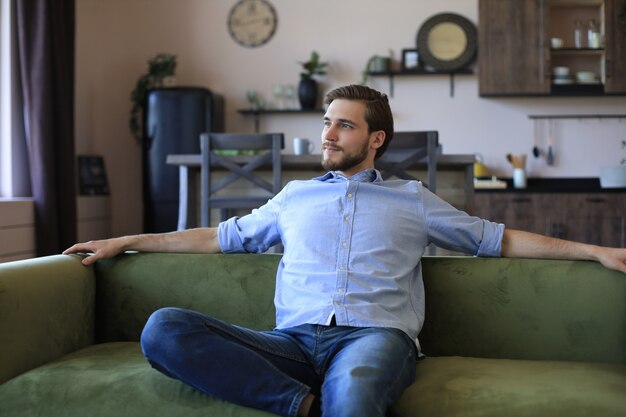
516	58
597	218
512	47
615	47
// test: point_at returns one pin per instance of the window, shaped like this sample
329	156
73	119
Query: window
14	172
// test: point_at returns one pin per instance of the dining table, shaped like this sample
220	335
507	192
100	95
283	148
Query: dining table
303	166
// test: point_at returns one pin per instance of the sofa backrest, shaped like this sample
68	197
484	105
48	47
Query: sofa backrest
481	307
523	308
235	288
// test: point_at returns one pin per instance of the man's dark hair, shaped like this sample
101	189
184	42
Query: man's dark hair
377	111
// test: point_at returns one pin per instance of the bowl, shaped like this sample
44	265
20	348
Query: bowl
585	76
562	71
613	176
556	43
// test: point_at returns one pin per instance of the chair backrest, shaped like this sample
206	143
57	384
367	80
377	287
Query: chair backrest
405	150
216	151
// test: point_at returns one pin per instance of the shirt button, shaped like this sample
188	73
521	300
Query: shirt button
339	290
346	218
344	245
349	195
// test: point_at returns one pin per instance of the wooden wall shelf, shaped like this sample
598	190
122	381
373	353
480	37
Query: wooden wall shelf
257	113
420	72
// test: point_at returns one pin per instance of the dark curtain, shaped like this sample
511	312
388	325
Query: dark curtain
45	31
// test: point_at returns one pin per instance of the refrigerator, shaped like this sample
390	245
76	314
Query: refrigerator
174	119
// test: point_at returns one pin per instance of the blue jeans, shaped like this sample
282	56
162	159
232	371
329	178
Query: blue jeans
353	371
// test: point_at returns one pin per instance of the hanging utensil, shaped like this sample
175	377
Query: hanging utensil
550	155
535	147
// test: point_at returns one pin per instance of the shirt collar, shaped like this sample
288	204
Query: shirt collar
367	175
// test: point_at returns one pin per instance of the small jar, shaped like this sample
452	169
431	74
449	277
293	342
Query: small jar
593	36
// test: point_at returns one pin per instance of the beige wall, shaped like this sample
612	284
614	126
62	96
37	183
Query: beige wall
116	37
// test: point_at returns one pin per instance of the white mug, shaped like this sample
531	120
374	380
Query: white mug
302	146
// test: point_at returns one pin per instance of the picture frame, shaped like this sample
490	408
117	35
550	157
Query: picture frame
92	177
410	59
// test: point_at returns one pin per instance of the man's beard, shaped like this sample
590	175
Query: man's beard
347	161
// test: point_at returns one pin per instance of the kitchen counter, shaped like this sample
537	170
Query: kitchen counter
554	185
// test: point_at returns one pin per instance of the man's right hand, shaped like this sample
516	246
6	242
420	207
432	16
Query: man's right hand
201	240
97	249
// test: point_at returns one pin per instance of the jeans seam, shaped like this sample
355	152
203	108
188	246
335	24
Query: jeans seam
255	345
395	382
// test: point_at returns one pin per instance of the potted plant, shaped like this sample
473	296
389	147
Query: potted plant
307	89
376	63
159	68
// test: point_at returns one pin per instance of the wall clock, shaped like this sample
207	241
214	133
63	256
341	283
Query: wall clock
252	23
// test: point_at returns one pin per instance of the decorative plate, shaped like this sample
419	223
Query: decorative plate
447	42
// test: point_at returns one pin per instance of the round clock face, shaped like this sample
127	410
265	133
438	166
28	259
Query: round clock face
252	23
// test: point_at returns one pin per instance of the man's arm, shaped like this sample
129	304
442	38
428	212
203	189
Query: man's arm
519	244
202	240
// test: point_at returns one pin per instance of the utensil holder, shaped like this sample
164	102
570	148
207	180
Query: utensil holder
519	178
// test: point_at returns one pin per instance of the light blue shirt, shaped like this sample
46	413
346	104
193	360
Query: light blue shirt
353	248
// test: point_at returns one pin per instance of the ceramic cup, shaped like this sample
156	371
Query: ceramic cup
302	146
519	178
556	43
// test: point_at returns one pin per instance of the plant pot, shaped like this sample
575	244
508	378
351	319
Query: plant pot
380	64
307	93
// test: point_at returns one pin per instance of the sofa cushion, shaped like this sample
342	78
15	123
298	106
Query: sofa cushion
114	379
111	379
476	387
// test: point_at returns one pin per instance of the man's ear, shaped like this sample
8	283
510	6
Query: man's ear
378	139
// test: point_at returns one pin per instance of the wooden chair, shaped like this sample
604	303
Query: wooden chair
405	150
214	147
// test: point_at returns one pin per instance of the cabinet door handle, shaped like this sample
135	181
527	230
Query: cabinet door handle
596	200
607	67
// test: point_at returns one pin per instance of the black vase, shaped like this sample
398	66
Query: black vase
307	93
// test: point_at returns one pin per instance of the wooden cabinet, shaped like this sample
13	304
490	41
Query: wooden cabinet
615	47
512	47
516	58
597	218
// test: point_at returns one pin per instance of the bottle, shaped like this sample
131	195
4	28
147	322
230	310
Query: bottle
593	37
578	35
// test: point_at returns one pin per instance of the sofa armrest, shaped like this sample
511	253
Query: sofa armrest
46	310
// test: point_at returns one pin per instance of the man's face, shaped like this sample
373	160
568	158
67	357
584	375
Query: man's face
346	144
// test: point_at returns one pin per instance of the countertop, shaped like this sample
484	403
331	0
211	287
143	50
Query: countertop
555	185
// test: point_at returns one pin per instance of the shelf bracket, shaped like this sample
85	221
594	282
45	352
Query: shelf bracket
451	84
391	85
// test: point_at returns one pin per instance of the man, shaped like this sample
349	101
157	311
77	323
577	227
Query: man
349	294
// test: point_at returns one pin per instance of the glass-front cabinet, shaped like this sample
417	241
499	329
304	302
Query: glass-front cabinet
552	47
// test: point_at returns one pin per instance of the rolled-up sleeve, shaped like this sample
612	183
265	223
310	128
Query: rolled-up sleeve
454	229
491	243
253	233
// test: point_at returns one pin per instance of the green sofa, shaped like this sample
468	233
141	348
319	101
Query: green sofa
503	337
